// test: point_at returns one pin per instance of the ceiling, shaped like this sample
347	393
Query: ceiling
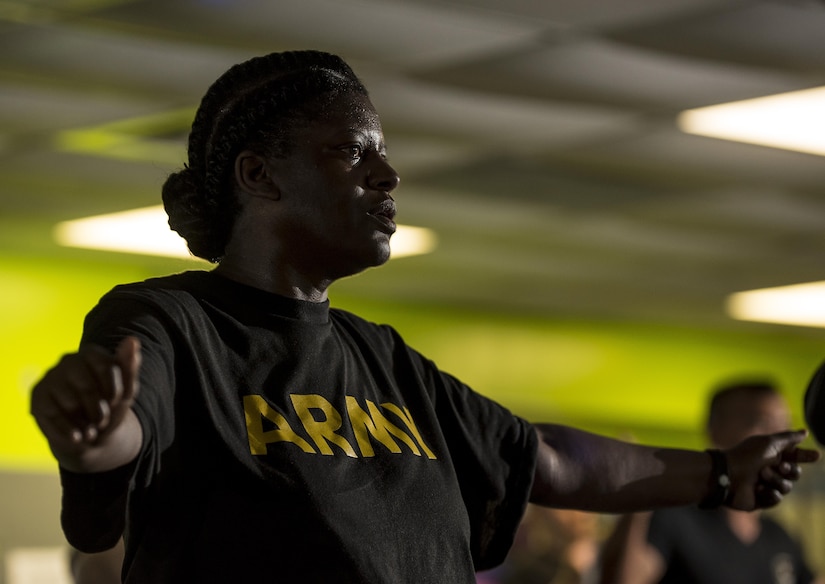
537	138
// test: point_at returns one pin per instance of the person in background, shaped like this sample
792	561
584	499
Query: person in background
552	546
689	545
233	427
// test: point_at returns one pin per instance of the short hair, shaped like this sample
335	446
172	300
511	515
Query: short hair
725	392
255	104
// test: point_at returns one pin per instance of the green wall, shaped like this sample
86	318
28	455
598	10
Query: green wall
646	382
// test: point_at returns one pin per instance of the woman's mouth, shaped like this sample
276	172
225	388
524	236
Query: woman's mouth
384	214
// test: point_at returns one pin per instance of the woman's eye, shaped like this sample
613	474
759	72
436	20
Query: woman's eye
354	151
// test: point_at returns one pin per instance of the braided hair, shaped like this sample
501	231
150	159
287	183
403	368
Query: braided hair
254	105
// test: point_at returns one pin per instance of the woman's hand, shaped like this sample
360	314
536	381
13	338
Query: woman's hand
83	407
764	468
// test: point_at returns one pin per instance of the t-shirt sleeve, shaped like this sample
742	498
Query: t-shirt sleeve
494	455
120	314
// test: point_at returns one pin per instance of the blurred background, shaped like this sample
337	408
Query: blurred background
587	243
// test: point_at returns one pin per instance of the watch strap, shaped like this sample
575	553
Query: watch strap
719	488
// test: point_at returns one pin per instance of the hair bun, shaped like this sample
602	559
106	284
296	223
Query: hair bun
190	213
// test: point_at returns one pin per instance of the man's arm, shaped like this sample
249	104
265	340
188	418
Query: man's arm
580	470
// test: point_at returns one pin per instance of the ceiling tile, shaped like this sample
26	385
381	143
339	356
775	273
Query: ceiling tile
594	70
99	60
786	34
383	31
590	13
34	109
503	120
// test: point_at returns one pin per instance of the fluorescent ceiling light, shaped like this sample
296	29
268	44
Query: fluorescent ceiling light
145	231
409	240
142	231
799	304
793	121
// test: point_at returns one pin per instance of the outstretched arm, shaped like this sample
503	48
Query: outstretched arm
84	408
580	470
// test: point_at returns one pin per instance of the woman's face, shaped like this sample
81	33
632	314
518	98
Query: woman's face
337	214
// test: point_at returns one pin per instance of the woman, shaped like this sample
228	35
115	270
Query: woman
276	439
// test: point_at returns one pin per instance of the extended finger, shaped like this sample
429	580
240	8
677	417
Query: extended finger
801	455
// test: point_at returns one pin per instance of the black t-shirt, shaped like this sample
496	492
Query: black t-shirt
699	548
285	441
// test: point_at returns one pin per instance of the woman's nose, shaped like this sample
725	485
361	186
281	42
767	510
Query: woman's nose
383	176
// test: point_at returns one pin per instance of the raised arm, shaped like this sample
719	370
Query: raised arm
579	470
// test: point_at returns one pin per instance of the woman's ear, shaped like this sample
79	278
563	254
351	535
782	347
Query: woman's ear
253	177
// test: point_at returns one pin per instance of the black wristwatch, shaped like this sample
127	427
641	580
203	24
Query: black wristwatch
719	481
